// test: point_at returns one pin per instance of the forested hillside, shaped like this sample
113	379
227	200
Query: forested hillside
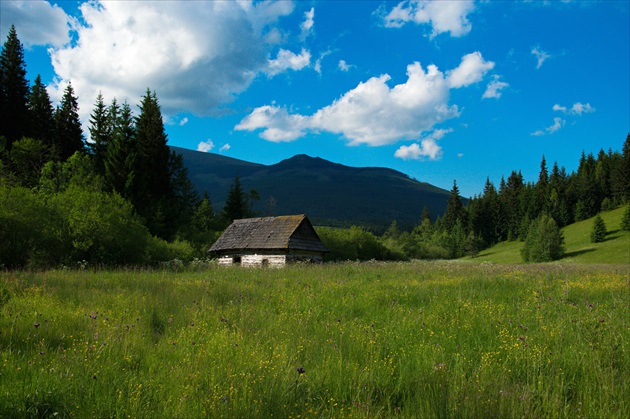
331	194
126	198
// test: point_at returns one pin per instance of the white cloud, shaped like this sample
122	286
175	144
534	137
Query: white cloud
197	55
205	146
224	147
443	16
470	70
279	125
318	64
541	56
36	22
577	109
308	23
557	124
428	147
344	66
183	122
374	113
289	60
494	88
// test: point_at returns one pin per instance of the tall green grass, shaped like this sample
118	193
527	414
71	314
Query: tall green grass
344	340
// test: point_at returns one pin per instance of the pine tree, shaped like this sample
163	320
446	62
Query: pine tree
598	233
14	90
153	190
41	113
68	132
541	190
454	210
236	204
544	242
625	221
121	154
99	134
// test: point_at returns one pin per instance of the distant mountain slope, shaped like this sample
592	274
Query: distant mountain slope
329	193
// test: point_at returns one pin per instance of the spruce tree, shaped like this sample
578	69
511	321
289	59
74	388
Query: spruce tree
99	134
121	154
598	233
153	198
41	113
68	132
14	90
236	204
454	209
625	221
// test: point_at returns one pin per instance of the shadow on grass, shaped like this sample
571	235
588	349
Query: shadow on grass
578	253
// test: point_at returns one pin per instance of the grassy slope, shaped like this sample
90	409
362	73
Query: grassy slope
579	249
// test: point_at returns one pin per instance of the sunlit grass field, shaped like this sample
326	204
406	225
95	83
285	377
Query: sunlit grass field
579	249
431	339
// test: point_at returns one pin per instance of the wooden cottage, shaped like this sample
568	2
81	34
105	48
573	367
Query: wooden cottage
269	241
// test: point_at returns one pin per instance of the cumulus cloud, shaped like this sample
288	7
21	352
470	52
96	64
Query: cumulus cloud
557	124
289	60
471	70
577	109
541	56
443	16
307	23
494	88
205	146
36	22
374	113
428	147
197	55
224	147
183	122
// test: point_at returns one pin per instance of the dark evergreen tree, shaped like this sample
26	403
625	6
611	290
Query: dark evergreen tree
620	183
186	198
121	154
544	242
541	191
153	190
100	134
425	215
454	210
14	90
41	114
68	132
625	221
236	204
511	201
598	233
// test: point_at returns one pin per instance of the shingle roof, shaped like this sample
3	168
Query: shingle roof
284	232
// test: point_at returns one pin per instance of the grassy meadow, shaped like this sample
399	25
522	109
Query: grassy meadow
434	339
579	249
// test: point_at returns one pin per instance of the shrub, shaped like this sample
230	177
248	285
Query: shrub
598	233
544	242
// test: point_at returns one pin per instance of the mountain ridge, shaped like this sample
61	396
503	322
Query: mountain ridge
332	194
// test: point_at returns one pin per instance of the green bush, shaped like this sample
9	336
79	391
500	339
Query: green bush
98	227
544	241
598	233
26	229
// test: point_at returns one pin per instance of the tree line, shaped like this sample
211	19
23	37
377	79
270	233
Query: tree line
123	197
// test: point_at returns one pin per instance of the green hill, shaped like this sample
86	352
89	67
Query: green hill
579	249
331	194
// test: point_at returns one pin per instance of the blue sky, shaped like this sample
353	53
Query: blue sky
438	90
